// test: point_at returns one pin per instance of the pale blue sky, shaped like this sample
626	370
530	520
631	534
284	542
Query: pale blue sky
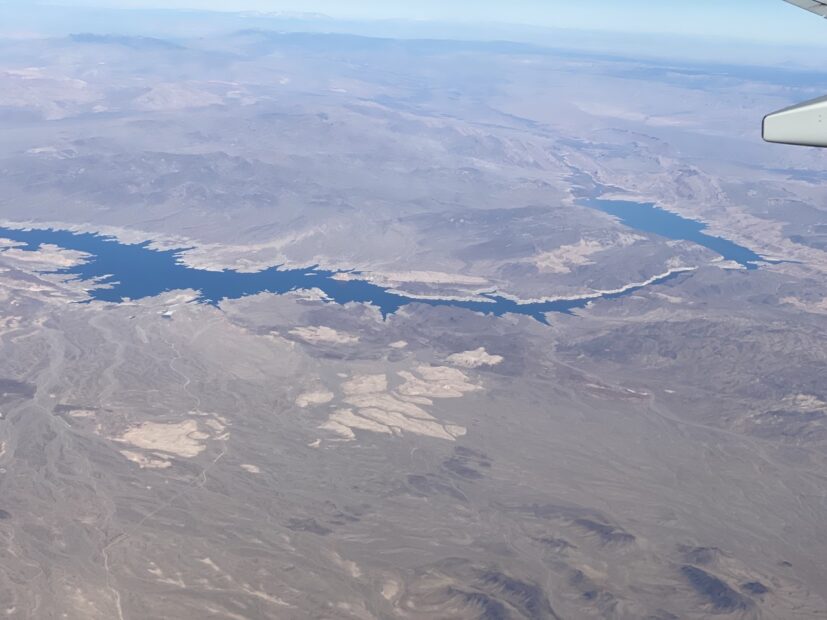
770	20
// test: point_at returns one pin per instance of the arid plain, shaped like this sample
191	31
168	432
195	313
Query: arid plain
658	454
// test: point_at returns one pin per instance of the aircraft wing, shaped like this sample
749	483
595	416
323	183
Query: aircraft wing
818	7
804	124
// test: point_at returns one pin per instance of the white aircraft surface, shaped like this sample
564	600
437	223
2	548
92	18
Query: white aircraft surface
804	124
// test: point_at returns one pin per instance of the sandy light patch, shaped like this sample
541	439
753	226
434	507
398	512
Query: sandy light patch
812	307
318	397
47	257
10	322
474	359
455	430
365	384
390	589
183	439
389	402
413	277
436	382
343	422
808	402
431	277
146	462
323	335
375	408
215	425
246	258
349	566
399	423
566	257
310	294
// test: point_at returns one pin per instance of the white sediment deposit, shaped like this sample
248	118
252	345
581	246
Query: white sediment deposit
146	462
818	306
317	397
413	277
47	256
154	445
436	382
323	335
183	439
365	384
369	404
474	359
566	257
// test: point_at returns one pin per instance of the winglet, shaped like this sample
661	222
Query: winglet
804	124
819	7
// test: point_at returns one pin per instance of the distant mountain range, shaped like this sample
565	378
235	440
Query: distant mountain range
134	42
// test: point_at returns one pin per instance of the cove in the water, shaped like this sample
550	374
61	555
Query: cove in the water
647	217
123	271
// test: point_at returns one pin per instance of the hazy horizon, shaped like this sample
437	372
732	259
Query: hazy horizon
737	19
734	35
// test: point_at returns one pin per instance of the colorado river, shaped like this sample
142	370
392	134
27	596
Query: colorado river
124	271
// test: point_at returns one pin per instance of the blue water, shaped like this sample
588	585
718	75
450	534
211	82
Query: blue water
647	217
136	271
